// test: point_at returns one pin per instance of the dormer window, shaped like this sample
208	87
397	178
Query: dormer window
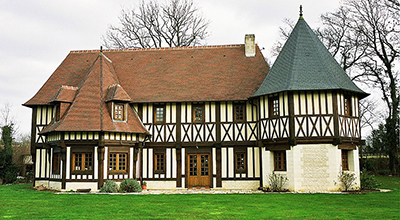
119	112
58	112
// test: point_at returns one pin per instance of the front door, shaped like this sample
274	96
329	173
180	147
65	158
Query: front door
199	170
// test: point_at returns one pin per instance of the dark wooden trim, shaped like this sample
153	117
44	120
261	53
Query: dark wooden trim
178	122
178	167
292	137
64	168
33	133
347	147
218	121
335	117
277	147
218	166
244	179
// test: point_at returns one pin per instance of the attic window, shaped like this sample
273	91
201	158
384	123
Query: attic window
119	112
159	113
198	113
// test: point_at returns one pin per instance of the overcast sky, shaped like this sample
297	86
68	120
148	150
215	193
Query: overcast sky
36	35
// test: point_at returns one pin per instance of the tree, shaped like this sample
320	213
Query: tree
364	36
175	24
8	171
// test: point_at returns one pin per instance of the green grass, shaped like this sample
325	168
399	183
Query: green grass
20	202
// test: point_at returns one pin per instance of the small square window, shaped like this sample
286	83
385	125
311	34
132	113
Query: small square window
198	113
82	162
117	162
119	112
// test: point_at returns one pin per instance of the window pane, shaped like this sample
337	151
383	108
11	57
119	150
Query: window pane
118	112
239	112
88	161
113	162
122	162
159	112
198	111
78	162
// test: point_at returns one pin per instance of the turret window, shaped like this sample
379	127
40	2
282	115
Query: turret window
345	160
347	105
274	106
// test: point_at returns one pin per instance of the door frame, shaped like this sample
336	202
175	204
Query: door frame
210	167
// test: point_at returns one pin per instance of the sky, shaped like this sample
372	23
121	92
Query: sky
37	35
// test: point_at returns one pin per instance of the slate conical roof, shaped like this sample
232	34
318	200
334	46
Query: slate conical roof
305	64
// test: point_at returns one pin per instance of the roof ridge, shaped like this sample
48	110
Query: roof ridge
159	48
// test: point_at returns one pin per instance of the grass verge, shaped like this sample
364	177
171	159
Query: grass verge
20	202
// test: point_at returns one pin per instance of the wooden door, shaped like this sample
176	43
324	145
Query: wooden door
199	170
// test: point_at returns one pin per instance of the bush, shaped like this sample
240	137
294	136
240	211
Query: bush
109	187
130	185
347	179
277	182
368	181
9	174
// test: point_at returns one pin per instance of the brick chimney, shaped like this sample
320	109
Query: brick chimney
250	45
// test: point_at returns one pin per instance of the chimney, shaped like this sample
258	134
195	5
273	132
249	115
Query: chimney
250	45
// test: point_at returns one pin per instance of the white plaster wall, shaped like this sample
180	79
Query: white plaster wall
45	183
161	184
81	185
240	184
55	185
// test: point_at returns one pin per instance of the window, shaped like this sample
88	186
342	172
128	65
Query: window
280	160
347	105
240	112
119	112
82	162
273	106
198	113
345	160
159	114
240	162
58	112
159	160
117	162
56	163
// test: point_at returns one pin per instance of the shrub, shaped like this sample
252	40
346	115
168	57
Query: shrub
109	187
130	185
347	179
368	181
277	182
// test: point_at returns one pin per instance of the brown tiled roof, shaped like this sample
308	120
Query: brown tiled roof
89	112
65	94
207	73
117	93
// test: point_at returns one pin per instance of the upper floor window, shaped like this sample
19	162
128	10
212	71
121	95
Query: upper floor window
347	105
118	162
159	113
82	162
280	160
119	112
240	112
273	106
198	113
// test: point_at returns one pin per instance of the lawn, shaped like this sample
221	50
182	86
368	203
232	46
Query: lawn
21	202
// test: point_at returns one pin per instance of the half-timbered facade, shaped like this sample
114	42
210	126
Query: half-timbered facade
209	116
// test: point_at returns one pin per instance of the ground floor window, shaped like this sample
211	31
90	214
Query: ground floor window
345	160
82	162
240	162
118	162
56	163
280	160
159	160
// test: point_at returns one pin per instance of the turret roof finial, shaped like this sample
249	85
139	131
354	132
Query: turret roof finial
301	11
